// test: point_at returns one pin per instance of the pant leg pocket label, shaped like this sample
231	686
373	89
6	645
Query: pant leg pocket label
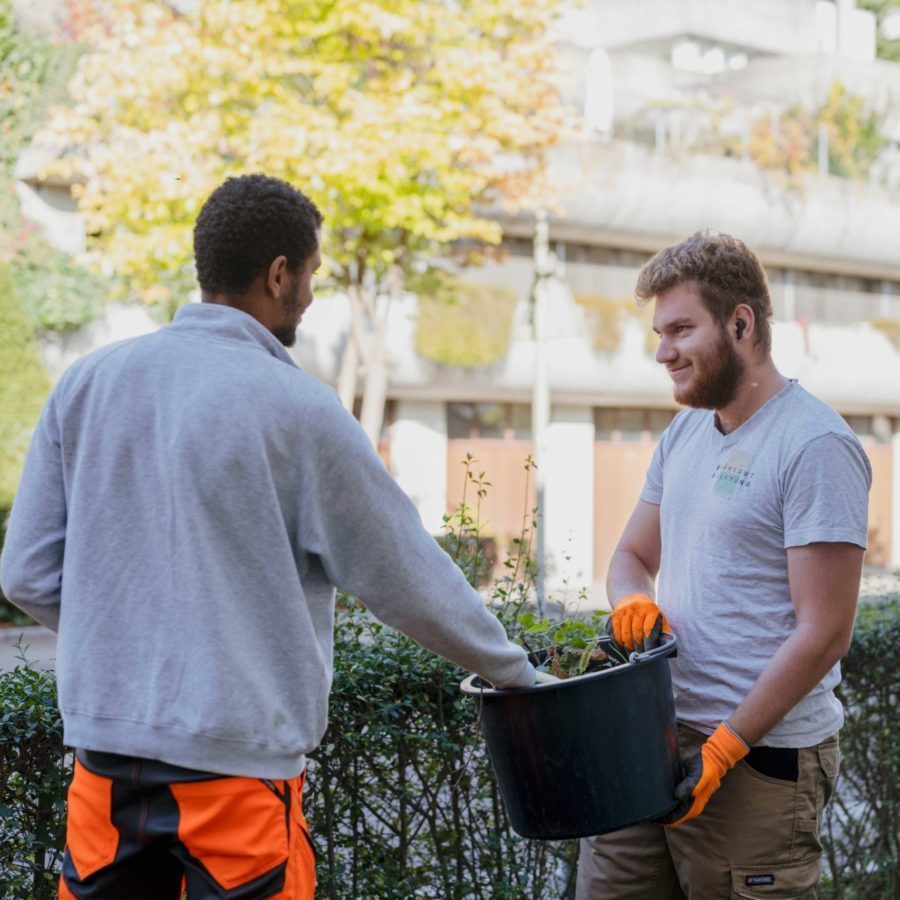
793	881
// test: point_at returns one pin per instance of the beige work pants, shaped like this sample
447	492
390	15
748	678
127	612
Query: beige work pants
757	838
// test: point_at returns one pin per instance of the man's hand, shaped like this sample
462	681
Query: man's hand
636	623
705	771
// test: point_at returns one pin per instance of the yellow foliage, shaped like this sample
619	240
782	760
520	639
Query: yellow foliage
396	116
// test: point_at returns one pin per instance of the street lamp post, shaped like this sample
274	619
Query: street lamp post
544	270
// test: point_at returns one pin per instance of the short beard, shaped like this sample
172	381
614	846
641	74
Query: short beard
286	335
717	380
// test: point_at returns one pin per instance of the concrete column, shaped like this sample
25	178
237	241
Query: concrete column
419	457
569	468
895	499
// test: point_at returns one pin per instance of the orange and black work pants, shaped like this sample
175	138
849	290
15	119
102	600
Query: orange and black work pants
145	830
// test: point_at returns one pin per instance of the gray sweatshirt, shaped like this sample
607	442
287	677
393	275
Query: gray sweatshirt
190	500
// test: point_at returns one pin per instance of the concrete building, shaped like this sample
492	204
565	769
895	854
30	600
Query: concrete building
671	93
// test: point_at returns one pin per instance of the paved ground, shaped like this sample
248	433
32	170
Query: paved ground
879	584
39	644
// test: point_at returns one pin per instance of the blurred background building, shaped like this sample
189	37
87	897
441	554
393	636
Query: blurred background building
775	120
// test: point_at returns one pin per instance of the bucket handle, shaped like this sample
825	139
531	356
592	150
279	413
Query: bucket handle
667	648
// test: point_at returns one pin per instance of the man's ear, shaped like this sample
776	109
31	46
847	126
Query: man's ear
743	321
277	276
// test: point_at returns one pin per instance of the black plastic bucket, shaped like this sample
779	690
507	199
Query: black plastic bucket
587	755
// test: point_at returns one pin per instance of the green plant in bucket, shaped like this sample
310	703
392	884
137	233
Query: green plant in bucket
563	648
569	648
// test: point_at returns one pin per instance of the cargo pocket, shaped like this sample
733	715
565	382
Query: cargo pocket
830	763
91	837
303	851
235	827
298	819
793	881
821	764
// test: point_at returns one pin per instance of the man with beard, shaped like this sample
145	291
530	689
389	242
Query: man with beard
754	518
190	500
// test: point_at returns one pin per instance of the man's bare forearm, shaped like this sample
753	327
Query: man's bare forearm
628	574
824	579
800	664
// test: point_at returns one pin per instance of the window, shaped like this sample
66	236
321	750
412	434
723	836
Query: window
500	421
631	424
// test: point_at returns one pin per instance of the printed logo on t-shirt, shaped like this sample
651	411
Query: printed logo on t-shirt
732	475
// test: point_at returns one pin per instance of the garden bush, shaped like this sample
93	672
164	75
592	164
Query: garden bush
34	774
402	799
403	802
862	824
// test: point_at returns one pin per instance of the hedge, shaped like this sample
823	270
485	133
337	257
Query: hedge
862	824
34	774
402	799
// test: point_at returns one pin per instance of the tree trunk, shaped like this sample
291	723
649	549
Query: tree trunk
375	387
353	350
366	345
346	381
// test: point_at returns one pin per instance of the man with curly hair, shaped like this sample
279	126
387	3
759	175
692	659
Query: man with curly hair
753	518
190	501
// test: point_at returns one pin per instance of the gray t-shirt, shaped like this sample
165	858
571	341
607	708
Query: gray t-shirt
730	506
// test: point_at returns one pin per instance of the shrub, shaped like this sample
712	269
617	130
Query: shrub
403	802
862	824
57	292
402	798
34	776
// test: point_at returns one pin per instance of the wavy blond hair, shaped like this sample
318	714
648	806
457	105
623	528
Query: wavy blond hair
726	272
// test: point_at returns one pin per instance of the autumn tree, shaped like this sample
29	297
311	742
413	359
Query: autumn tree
401	119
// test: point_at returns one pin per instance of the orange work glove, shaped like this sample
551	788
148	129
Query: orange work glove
636	623
704	773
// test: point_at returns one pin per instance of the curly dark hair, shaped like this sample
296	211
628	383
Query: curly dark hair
726	272
246	223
